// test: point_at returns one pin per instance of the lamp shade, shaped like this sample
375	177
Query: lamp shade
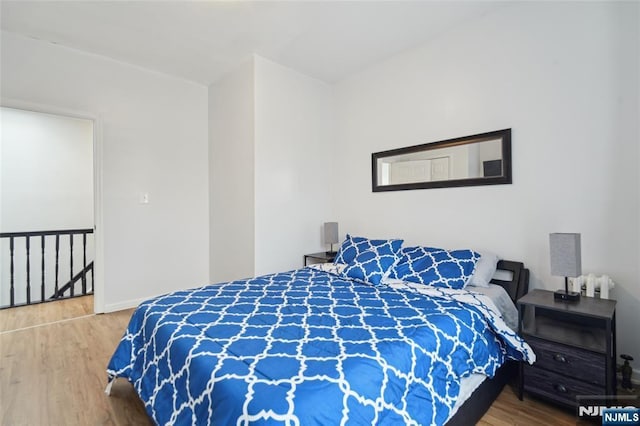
331	232
565	254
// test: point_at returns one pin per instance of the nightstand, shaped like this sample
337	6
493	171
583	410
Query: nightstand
574	343
321	257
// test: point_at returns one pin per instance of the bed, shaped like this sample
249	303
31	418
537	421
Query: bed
483	390
312	346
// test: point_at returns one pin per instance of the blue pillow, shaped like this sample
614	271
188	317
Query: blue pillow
436	267
353	246
371	265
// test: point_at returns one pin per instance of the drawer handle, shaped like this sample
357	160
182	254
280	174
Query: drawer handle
560	388
559	358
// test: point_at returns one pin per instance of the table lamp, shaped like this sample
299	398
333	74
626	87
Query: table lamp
565	262
331	235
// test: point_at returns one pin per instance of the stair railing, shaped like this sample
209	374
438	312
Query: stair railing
59	292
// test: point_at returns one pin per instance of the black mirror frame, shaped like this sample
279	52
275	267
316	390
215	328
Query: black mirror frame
505	178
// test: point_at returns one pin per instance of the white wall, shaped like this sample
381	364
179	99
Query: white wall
153	133
46	162
231	175
293	165
271	137
564	77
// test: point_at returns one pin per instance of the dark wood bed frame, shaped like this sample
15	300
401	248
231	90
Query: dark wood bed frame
481	399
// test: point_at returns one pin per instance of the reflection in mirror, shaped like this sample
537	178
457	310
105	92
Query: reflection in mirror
483	159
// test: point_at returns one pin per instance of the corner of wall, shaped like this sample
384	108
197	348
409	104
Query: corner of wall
231	174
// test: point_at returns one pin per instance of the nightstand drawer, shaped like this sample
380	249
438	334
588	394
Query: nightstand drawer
570	361
556	386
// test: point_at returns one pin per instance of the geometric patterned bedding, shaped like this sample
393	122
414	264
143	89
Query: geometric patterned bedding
309	347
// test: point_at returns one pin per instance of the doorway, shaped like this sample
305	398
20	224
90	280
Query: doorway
46	206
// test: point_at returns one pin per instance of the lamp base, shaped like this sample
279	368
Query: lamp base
566	296
331	253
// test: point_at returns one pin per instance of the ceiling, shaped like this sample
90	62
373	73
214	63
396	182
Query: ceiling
202	40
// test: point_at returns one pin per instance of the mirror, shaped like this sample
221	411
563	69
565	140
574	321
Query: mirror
483	159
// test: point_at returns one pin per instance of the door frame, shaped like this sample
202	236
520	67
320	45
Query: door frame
98	265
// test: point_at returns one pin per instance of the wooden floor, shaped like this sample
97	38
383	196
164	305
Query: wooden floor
52	372
43	313
509	410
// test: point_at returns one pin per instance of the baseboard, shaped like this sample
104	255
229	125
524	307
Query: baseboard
127	304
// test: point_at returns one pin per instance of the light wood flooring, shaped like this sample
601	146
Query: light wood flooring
52	372
44	313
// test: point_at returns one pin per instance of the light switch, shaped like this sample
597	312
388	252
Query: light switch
144	198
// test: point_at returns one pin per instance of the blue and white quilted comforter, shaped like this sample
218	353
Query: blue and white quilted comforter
309	347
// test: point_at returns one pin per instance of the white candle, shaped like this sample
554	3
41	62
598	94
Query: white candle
591	285
577	284
604	287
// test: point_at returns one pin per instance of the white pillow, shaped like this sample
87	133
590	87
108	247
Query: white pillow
503	302
485	269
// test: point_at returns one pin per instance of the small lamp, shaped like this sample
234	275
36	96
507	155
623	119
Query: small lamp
331	235
565	262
